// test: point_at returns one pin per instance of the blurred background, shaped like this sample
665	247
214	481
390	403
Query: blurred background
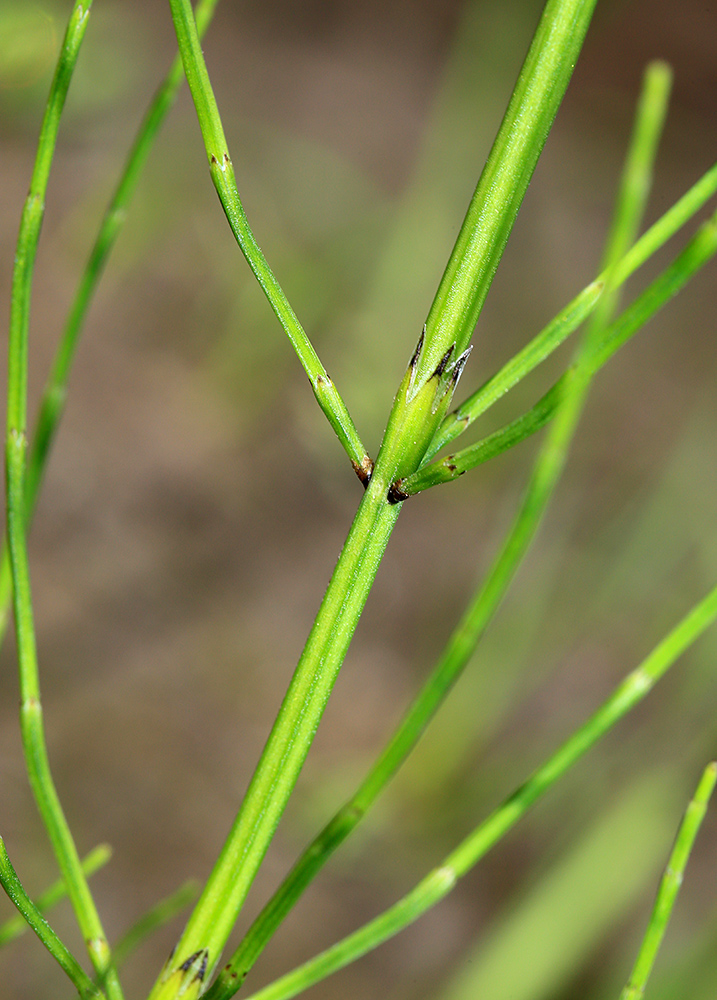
196	501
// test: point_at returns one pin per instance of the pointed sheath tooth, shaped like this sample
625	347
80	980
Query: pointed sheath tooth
419	348
443	363
460	365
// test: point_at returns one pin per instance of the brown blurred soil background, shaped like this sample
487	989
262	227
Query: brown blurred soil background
196	502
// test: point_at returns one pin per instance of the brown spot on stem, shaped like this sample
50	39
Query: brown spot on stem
364	469
396	494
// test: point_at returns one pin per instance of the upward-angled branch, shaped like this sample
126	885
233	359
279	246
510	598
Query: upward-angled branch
222	173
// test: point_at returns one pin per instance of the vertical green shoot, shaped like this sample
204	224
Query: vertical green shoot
465	638
670	885
419	407
32	729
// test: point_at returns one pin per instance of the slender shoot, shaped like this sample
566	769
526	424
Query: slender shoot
670	884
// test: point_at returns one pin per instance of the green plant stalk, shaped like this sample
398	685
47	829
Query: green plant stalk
569	319
222	173
541	85
629	209
670	885
33	736
54	394
17	926
418	409
34	919
439	882
701	248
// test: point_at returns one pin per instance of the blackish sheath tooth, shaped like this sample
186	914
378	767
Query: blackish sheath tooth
396	494
460	365
443	363
419	348
187	964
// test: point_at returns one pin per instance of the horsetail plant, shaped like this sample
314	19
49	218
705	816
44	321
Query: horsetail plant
418	427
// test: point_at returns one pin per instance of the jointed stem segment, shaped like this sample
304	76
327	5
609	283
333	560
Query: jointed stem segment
222	174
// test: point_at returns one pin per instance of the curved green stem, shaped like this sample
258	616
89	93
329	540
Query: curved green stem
222	173
35	920
54	394
17	926
33	736
438	883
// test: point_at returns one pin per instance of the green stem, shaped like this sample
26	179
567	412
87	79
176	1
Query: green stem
31	712
465	638
438	883
418	409
670	884
541	85
570	318
701	248
285	750
17	926
222	173
34	919
54	394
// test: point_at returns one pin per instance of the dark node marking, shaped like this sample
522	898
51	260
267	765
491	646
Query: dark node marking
226	157
363	470
323	380
451	467
202	971
186	965
460	364
443	363
396	494
214	159
419	348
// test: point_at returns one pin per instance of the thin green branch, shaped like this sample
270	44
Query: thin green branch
54	394
222	173
701	248
17	926
34	919
571	317
670	885
465	638
33	736
438	883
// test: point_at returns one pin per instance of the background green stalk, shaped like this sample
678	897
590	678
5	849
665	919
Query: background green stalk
222	173
439	882
17	926
33	737
701	248
569	319
670	884
34	919
648	127
54	394
415	416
